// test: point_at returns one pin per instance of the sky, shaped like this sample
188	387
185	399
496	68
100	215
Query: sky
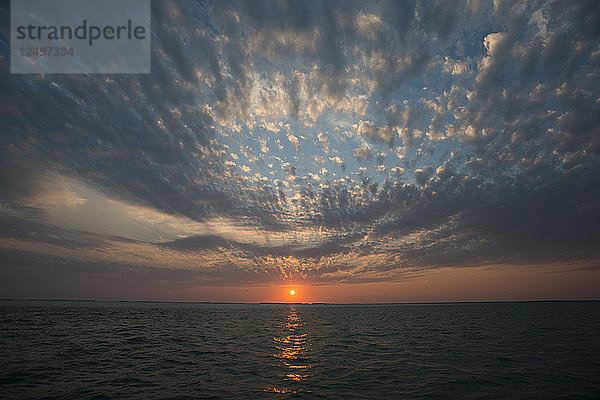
355	151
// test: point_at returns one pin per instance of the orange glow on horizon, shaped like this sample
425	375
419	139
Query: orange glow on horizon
560	281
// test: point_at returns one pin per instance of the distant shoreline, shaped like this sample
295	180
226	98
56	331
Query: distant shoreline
301	303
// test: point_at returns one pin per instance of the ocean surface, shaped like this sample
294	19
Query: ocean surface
117	350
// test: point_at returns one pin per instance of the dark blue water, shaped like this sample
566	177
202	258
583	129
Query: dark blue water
79	350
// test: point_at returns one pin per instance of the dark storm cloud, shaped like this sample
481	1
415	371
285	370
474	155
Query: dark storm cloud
497	106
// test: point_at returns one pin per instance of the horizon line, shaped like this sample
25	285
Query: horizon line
306	303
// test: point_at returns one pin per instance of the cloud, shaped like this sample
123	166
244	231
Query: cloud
377	134
449	134
294	140
363	152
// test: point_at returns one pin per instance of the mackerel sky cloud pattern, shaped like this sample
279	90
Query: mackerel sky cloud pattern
319	142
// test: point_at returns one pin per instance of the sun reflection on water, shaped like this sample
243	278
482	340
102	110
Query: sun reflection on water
291	356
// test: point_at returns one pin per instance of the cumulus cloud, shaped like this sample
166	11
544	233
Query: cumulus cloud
363	152
380	134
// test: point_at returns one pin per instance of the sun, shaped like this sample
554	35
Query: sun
292	292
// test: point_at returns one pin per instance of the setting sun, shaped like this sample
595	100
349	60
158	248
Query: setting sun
292	292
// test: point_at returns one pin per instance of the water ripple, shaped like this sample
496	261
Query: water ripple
72	350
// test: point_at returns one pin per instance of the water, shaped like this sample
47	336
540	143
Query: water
79	350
